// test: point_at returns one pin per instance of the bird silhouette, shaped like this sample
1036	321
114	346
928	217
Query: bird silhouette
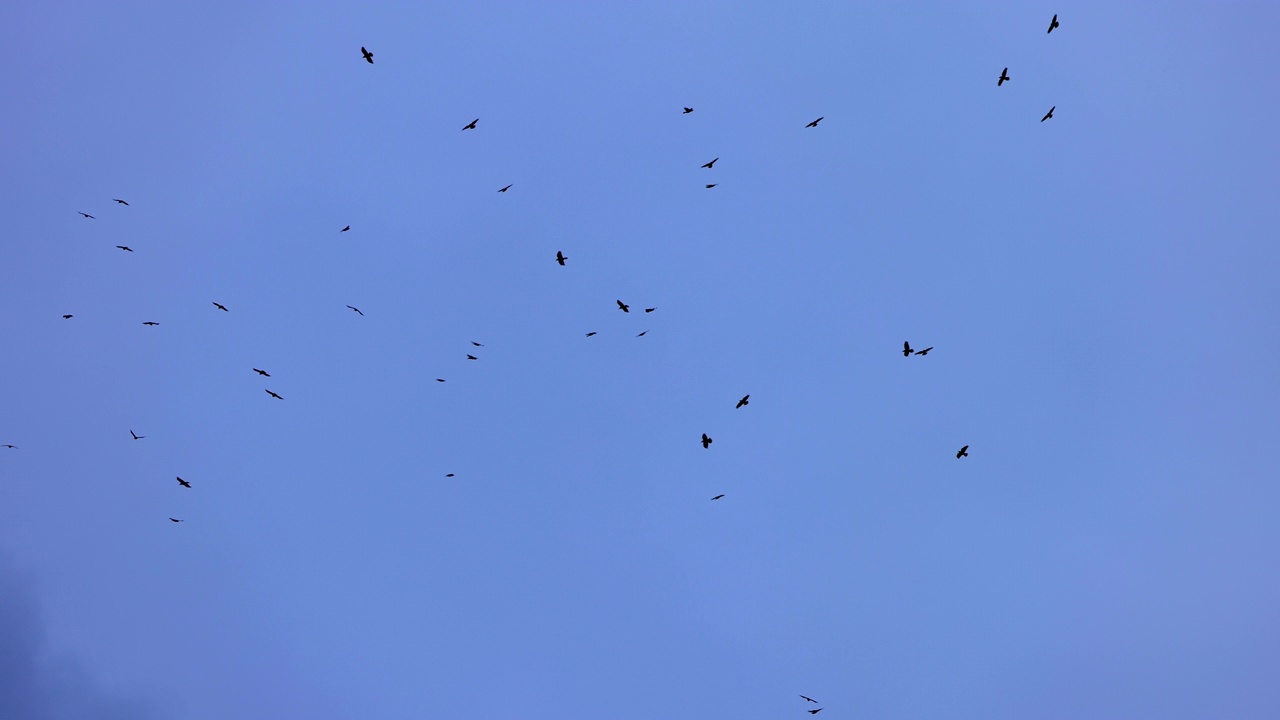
687	111
593	332
815	712
1052	24
650	309
643	333
184	483
1049	114
151	323
561	257
712	185
924	351
12	447
708	165
345	229
67	317
126	248
174	520
473	342
136	436
448	474
471	125
126	204
1004	76
439	379
814	123
356	309
964	452
263	373
221	307
87	215
806	697
706	441
472	357
906	349
505	188
624	307
274	395
368	55
718	496
744	401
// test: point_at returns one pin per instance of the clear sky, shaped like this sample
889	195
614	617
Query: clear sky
1100	290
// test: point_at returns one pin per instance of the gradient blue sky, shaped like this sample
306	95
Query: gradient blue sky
1100	290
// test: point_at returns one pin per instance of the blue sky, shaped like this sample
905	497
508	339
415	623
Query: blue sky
1099	290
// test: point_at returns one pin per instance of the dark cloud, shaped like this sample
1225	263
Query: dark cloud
35	685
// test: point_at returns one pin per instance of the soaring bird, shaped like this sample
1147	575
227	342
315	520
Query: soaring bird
67	317
743	401
815	122
345	229
126	204
184	483
356	309
964	452
712	185
473	342
439	379
263	373
12	447
471	125
472	357
1052	24
718	496
174	520
650	309
806	697
706	441
561	257
708	165
136	436
924	351
368	55
151	323
815	712
87	215
1049	114
687	111
221	307
448	474
624	307
643	333
505	188
274	395
593	332
126	248
906	349
1004	75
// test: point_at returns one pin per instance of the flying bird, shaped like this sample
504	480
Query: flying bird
815	711
708	165
448	474
706	441
1052	24
174	520
151	323
221	307
472	357
505	188
367	55
67	317
687	111
345	229
924	351
274	395
642	334
718	496
263	373
1049	114
624	307
126	248
439	379
473	342
964	452
136	436
561	257
88	215
650	309
126	204
743	401
712	185
184	483
814	123
806	697
356	309
906	349
593	332
1004	76
471	125
12	447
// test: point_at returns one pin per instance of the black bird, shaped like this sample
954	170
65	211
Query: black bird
561	257
263	373
471	125
66	317
906	349
367	55
718	496
439	379
806	697
356	309
650	309
448	474
591	333
151	323
924	351
184	483
472	357
1049	114
345	229
126	204
174	520
706	441
473	342
642	334
1052	24
136	436
505	188
964	452
687	111
274	395
126	248
815	122
815	712
708	165
743	401
712	185
624	307
221	307
12	447
88	215
1004	75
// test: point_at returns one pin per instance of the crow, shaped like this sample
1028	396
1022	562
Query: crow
345	229
136	436
561	257
471	125
814	123
356	309
126	248
687	111
1052	24
624	307
67	317
924	351
221	307
906	349
1004	76
706	441
708	165
184	483
127	204
743	401
367	55
964	452
274	395
149	322
88	215
1049	114
718	496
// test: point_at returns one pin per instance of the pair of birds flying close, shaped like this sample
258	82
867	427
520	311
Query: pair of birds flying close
907	351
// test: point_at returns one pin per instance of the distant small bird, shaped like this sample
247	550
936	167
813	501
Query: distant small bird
505	188
964	452
1052	24
712	185
367	55
439	379
67	317
561	257
356	309
12	447
473	342
345	229
708	165
174	520
184	483
448	474
87	215
906	349
274	395
149	322
1049	114
815	712
642	334
263	373
1004	77
472	357
591	333
126	248
814	123
650	309
624	307
126	204
743	401
687	111
706	441
136	436
806	697
471	125
924	351
718	496
221	307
